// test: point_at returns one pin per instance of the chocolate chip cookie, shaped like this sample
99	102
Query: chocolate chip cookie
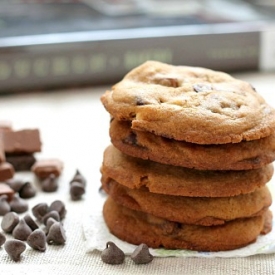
193	104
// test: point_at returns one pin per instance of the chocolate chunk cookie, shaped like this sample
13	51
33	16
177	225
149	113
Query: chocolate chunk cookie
179	181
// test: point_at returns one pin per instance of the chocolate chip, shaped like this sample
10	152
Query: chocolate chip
40	210
18	205
58	206
131	139
15	248
4	205
53	214
9	221
30	222
141	255
140	101
27	191
37	240
50	221
2	239
15	184
78	177
50	184
76	190
198	88
21	231
112	254
56	234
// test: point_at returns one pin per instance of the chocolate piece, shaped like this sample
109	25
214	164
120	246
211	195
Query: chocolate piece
21	162
27	191
18	205
2	150
6	190
15	184
45	167
30	222
76	190
15	248
112	254
78	177
58	206
56	234
141	255
37	240
4	205
21	231
40	210
23	141
6	171
50	221
53	214
50	184
2	239
9	221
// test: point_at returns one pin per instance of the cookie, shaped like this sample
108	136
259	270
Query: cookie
193	104
188	210
138	227
237	156
179	181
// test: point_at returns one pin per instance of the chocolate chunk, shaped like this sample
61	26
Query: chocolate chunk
9	221
6	171
131	139
45	167
53	214
2	150
112	254
5	189
79	178
40	210
37	240
203	87
21	162
58	206
2	239
15	184
21	231
56	234
76	190
23	141
18	204
141	255
15	248
30	222
50	184
4	205
27	191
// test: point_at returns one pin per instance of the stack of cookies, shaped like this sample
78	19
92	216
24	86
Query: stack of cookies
191	154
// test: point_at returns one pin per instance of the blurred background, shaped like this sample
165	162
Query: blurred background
57	44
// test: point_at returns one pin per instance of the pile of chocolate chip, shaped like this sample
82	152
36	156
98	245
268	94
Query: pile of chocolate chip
46	229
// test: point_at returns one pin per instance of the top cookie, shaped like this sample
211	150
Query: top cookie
189	103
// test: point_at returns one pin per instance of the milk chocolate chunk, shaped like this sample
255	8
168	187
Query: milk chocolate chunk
9	221
4	205
2	239
5	189
6	171
112	254
21	162
37	240
2	150
23	141
21	231
15	248
45	167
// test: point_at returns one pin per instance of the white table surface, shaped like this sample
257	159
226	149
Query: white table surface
74	128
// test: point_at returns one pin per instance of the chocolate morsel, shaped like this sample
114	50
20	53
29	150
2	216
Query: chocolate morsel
15	184
4	205
112	254
56	234
30	222
40	210
21	231
15	248
37	240
9	221
76	190
53	214
18	204
49	184
58	206
27	191
78	177
2	239
49	223
141	255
